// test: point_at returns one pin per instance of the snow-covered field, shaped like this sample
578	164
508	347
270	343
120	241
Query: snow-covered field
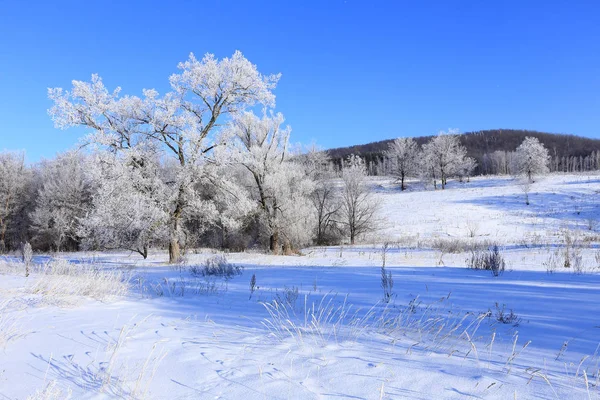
316	325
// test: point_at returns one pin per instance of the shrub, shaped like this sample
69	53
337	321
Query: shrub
217	266
252	285
569	257
387	284
455	245
27	257
508	318
490	260
288	298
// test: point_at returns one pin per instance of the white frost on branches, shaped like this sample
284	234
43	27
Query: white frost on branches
278	186
532	158
180	125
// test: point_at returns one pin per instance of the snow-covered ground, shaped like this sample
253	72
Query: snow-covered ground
177	336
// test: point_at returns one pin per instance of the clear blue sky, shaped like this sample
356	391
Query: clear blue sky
353	71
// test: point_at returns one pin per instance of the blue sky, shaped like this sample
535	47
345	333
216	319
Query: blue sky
353	71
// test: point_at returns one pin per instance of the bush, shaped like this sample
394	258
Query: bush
387	284
569	257
217	266
456	246
490	260
27	257
288	298
508	318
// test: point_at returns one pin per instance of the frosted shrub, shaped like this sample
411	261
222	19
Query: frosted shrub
27	254
27	257
490	260
217	266
456	246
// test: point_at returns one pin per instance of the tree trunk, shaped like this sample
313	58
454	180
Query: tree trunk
174	251
287	248
174	247
274	243
402	187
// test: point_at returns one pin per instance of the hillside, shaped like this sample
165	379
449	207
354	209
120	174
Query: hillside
486	142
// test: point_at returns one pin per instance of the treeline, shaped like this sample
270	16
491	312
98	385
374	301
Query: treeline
262	197
493	150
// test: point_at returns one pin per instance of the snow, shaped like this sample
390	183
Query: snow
433	340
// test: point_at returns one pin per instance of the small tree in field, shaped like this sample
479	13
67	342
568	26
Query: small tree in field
359	207
402	154
525	187
532	158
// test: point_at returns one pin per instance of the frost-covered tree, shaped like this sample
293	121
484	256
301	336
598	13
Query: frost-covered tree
130	204
279	186
14	180
325	197
532	158
359	207
465	168
179	124
444	156
63	199
402	154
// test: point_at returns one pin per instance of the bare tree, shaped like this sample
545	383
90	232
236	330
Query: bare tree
359	207
525	187
327	205
325	197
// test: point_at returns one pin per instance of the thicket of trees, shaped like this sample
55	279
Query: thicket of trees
206	164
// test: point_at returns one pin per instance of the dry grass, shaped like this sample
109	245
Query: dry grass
9	325
59	279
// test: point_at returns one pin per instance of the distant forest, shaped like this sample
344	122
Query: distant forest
569	153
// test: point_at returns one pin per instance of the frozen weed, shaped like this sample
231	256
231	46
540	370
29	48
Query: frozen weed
490	260
387	284
508	318
217	266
